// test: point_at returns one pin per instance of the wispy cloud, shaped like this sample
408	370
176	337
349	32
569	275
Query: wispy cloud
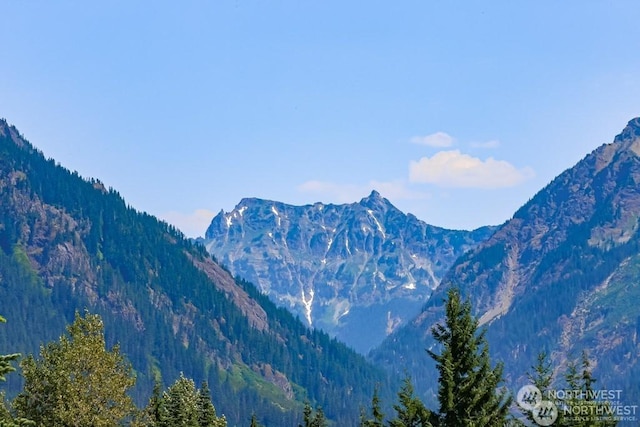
192	224
456	169
347	193
494	143
438	139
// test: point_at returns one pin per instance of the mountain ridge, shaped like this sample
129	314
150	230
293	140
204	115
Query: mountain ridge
69	244
356	270
553	277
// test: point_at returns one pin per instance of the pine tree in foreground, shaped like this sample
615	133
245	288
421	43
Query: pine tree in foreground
468	386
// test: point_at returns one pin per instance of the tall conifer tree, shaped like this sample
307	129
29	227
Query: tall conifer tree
468	385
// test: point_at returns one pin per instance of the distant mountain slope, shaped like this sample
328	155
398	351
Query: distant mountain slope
67	243
355	270
563	275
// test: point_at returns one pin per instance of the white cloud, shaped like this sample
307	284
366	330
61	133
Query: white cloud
438	139
192	224
348	193
455	169
494	143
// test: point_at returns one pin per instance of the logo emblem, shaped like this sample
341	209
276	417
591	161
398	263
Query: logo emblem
546	413
529	397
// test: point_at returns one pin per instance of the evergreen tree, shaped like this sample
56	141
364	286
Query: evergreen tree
77	381
542	375
376	412
6	420
180	403
542	378
254	421
313	419
411	412
582	401
6	359
153	413
206	411
468	386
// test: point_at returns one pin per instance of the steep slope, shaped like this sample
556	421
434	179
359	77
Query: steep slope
561	276
67	244
357	270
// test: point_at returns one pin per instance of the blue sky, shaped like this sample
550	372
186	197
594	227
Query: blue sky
457	112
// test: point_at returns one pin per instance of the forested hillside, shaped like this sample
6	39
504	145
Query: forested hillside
68	243
562	276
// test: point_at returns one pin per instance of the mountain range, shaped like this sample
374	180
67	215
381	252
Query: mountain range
562	276
69	244
357	271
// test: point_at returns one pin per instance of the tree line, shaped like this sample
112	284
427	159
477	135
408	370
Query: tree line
77	381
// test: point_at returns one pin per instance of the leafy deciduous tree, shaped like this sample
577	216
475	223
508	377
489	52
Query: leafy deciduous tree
77	381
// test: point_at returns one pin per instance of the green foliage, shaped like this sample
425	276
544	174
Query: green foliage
313	418
467	388
377	416
542	378
152	415
411	412
6	419
77	381
578	395
206	411
182	405
254	421
579	379
6	359
88	248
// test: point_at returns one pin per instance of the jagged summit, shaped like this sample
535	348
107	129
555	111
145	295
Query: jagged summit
356	270
630	132
373	196
375	201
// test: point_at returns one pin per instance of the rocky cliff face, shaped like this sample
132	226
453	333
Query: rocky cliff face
357	270
558	277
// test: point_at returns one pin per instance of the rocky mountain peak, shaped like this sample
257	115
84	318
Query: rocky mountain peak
630	133
356	270
375	201
7	130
